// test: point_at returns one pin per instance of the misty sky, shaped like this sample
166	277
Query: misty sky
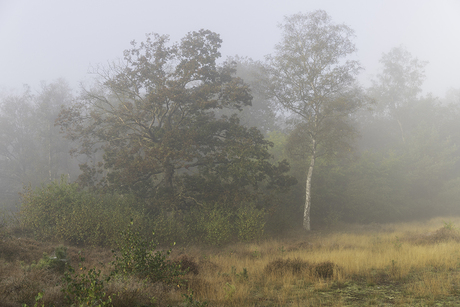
48	39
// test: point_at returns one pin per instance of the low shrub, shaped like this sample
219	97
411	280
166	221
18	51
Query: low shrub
298	267
56	262
443	234
250	223
86	288
283	266
169	227
187	264
60	211
324	269
217	226
136	255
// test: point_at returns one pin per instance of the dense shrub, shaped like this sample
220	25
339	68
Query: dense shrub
217	226
60	211
250	223
169	227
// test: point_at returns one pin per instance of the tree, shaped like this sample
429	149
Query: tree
310	77
18	147
152	117
261	113
398	85
54	147
31	149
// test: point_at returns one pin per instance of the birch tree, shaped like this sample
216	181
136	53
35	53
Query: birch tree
312	78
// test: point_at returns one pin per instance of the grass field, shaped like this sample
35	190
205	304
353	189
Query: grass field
410	264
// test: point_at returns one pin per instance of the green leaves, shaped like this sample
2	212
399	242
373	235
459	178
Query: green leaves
60	211
137	256
85	288
152	121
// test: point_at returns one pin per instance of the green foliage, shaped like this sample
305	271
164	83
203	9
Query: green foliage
60	211
190	301
38	298
170	227
86	288
217	226
153	122
57	262
449	225
229	291
250	223
136	255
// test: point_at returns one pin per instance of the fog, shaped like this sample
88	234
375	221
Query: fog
387	150
45	40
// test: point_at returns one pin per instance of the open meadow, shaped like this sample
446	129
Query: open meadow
407	264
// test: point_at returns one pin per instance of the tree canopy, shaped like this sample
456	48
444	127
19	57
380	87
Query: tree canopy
152	116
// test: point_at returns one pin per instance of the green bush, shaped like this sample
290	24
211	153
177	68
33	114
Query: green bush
215	224
60	211
86	288
169	227
250	223
136	255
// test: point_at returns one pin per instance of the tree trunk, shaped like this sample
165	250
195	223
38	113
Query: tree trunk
306	213
49	152
169	175
402	132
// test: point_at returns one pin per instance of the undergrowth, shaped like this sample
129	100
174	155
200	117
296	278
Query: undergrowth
403	265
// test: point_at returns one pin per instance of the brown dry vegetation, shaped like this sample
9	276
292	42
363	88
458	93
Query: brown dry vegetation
399	264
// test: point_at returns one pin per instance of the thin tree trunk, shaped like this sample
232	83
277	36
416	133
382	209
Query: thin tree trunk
49	152
306	213
169	175
402	132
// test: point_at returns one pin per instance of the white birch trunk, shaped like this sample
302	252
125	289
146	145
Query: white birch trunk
306	213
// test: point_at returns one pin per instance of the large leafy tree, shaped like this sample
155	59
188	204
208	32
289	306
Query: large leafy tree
310	76
152	116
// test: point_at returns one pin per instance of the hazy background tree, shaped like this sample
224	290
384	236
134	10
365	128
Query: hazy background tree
407	151
18	146
32	151
54	147
262	113
311	77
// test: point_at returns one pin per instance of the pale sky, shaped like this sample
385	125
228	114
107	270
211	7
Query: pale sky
48	39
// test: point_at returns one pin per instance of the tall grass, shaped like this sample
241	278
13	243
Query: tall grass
395	264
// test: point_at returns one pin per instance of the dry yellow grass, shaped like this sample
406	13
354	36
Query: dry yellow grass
373	252
397	264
